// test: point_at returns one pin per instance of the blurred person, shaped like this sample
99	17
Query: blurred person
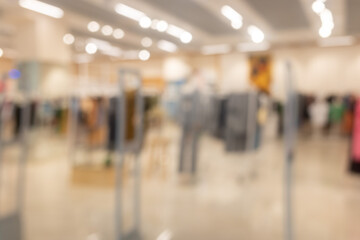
193	111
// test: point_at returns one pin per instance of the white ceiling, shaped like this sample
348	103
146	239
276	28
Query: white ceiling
283	21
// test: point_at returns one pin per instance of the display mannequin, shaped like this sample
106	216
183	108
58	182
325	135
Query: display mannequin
319	112
192	115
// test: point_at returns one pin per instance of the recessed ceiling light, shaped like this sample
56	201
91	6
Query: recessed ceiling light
236	24
162	26
118	33
154	24
235	18
93	26
107	30
318	6
145	22
186	37
91	48
146	42
327	19
68	39
42	8
257	36
324	32
129	12
144	55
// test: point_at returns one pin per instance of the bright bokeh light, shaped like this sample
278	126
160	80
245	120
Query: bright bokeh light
118	33
91	48
68	39
146	42
144	55
93	26
107	30
145	22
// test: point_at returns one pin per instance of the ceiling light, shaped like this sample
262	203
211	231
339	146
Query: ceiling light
324	32
154	24
107	30
337	41
1	52
144	55
162	26
186	37
146	42
318	6
145	22
327	20
129	12
257	36
236	24
118	33
234	17
175	31
68	39
105	47
91	48
215	49
167	46
93	26
253	47
42	8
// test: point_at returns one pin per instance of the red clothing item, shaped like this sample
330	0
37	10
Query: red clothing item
356	133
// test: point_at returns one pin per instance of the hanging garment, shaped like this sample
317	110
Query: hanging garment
336	112
130	115
112	126
279	108
355	144
17	120
348	119
236	122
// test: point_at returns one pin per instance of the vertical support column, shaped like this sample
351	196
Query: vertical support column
290	124
133	147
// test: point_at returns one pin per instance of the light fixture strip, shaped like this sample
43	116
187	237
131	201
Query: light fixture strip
43	8
159	25
326	17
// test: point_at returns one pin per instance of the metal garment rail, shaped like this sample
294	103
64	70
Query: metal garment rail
123	148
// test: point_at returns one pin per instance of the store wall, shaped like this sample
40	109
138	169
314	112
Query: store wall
318	71
314	70
55	81
321	70
234	73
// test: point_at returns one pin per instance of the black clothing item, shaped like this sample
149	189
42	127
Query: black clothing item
112	124
18	109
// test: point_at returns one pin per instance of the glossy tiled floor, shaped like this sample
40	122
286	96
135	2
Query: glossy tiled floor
234	196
